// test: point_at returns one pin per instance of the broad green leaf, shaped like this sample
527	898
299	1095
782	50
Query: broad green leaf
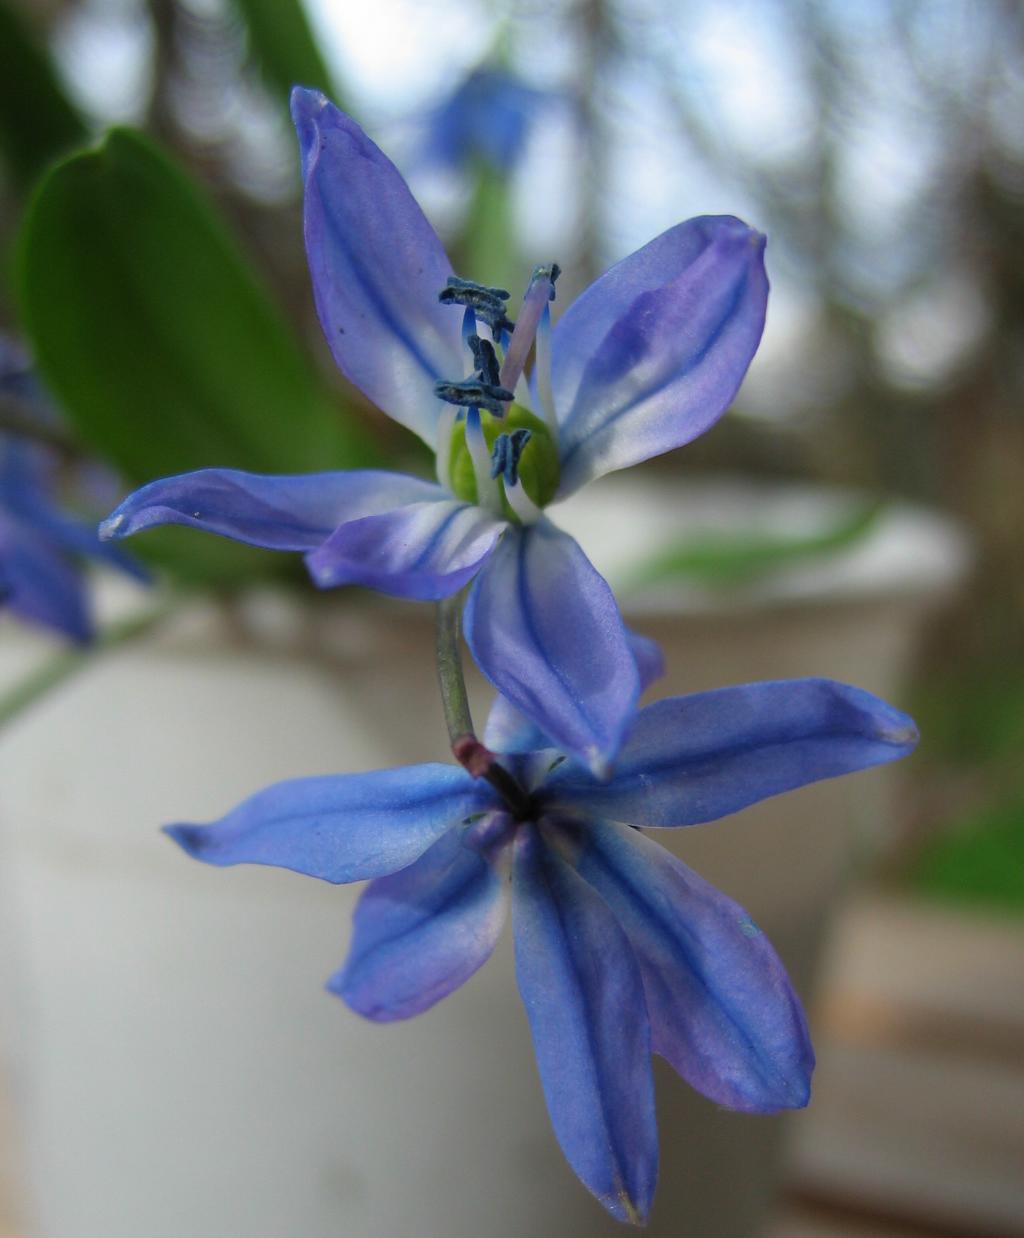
733	558
37	123
152	332
282	45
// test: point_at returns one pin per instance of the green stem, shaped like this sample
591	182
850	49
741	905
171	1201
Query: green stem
467	749
449	672
64	665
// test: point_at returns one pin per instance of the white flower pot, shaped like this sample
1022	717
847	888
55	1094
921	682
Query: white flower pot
180	1071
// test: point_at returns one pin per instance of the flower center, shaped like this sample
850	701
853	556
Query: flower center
534	468
492	450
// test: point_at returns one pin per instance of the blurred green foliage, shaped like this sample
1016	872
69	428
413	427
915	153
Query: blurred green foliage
37	122
981	861
282	44
154	334
729	559
161	346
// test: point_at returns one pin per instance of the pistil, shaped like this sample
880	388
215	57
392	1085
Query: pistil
539	293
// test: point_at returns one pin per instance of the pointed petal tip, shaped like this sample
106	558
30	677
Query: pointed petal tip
323	575
112	528
626	1209
338	986
886	723
306	105
186	836
901	733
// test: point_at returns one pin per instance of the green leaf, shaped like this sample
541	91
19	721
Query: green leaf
980	861
37	123
152	332
729	559
282	44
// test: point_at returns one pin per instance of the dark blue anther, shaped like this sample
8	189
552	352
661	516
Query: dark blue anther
472	393
505	455
485	359
488	303
455	284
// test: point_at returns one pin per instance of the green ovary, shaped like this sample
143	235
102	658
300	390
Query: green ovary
538	465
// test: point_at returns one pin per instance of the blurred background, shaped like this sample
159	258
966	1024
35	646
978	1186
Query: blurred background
880	146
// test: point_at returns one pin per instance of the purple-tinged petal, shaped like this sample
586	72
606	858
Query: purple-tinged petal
696	758
649	658
341	827
38	583
377	266
721	1007
422	932
81	539
279	512
425	550
584	998
508	730
654	351
544	628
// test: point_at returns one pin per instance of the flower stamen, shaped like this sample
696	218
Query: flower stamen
488	493
505	455
488	303
485	359
472	393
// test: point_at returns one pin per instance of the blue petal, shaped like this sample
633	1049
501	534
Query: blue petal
377	267
487	117
422	932
341	827
27	479
38	583
424	550
653	353
696	758
508	730
544	628
584	998
78	538
722	1010
278	512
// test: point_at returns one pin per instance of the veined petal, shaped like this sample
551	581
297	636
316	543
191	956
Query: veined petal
655	350
341	827
377	266
38	583
422	932
424	550
584	998
544	628
722	1010
279	512
696	758
508	730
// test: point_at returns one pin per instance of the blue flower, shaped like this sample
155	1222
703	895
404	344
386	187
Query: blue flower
643	361
621	950
487	118
39	543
